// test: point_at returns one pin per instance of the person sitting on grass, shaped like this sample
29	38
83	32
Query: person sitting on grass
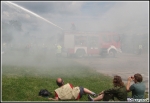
138	88
69	92
117	93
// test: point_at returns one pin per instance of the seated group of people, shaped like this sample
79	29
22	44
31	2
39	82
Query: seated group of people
116	93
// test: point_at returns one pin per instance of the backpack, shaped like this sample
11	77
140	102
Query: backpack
44	93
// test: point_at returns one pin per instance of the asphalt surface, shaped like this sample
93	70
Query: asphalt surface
123	64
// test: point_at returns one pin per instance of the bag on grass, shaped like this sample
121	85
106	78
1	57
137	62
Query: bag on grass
44	93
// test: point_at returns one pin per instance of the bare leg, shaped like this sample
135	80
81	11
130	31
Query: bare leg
87	91
98	98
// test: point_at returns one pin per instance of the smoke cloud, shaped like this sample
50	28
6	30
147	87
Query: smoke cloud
28	40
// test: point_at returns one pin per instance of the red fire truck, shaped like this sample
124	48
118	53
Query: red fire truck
83	44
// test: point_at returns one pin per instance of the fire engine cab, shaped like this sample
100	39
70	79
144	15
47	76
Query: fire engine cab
82	44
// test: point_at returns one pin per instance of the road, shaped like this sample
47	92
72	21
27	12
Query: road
124	65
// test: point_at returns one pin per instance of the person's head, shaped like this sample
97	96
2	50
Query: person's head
60	82
138	78
117	81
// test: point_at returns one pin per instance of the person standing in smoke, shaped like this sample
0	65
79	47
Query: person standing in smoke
58	51
73	27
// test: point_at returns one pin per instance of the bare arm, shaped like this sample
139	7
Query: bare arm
55	99
128	84
102	92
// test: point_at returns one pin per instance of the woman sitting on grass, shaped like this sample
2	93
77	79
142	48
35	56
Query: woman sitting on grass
117	93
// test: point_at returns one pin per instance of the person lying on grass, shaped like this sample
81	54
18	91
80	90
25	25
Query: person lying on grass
69	92
117	93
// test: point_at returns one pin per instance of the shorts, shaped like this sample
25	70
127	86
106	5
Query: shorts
81	91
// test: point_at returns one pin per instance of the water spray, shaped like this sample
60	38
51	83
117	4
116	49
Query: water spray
32	13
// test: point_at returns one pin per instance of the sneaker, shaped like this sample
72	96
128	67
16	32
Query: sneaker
90	98
94	95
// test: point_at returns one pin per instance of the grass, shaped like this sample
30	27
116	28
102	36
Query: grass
22	83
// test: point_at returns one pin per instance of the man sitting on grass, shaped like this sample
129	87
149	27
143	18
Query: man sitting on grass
68	92
137	88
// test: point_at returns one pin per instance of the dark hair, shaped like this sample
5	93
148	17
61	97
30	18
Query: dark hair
59	83
117	81
138	77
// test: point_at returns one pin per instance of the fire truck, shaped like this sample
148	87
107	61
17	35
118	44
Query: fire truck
82	44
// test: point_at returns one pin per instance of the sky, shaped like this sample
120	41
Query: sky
123	17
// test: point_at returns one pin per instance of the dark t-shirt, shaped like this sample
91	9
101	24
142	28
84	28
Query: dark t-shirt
119	93
138	90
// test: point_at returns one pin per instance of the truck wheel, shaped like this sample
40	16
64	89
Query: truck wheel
80	53
112	53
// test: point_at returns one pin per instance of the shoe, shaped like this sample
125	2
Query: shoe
94	95
90	98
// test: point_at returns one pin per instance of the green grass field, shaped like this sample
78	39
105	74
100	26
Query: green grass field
22	83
